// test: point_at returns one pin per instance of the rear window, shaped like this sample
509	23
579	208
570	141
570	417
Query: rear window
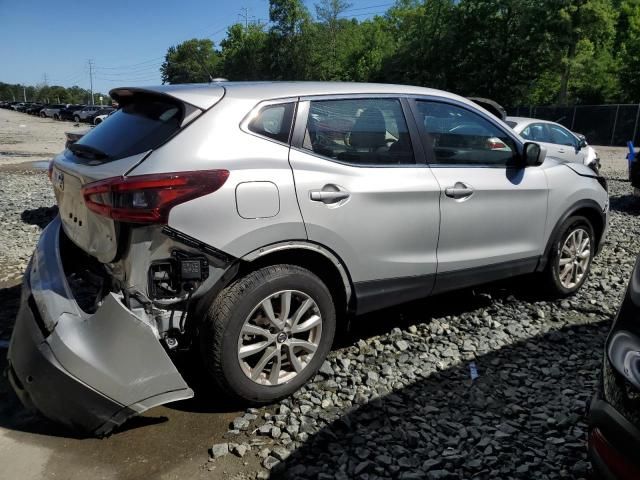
274	121
141	124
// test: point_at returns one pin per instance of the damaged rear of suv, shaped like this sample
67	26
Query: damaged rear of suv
243	219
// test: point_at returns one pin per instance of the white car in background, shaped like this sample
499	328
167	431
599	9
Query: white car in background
559	141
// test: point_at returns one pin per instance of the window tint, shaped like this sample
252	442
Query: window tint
536	132
143	123
359	131
274	121
561	136
460	136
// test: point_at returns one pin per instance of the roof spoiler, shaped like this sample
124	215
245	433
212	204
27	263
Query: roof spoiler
491	106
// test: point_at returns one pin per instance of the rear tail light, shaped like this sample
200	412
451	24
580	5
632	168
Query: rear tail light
149	198
622	468
496	144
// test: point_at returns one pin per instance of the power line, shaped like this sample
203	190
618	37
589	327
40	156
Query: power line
367	8
124	67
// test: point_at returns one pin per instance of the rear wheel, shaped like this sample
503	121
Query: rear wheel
267	333
76	119
570	257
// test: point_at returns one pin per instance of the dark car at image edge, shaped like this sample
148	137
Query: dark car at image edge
614	413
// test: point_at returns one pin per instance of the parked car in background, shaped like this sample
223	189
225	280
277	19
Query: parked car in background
85	114
52	111
614	412
100	115
69	111
34	108
558	140
328	211
17	106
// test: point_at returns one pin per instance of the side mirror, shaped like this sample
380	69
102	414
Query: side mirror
582	141
533	154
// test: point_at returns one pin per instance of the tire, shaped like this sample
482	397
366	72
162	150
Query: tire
76	119
56	116
97	121
558	281
238	305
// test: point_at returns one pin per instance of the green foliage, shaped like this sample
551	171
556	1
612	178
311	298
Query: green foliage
517	52
193	61
50	94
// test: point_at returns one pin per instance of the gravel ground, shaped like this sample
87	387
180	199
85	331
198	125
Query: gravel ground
396	398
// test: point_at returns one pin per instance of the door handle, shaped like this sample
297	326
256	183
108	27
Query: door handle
561	151
458	191
328	196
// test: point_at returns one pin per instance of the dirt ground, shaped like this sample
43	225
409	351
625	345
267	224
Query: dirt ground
30	138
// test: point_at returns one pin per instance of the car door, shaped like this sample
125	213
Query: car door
492	212
366	193
565	144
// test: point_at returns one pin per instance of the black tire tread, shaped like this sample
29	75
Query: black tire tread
550	283
221	311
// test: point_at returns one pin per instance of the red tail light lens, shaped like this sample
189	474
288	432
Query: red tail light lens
622	468
149	198
495	144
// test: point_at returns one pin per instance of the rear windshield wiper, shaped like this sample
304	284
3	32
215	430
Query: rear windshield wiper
87	151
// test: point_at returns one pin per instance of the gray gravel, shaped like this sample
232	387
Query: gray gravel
27	206
398	401
395	398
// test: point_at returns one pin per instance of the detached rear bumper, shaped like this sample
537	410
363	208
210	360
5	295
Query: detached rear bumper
89	372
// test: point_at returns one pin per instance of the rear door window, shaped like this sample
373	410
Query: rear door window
364	131
141	124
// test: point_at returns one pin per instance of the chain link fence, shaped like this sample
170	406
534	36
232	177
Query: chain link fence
611	125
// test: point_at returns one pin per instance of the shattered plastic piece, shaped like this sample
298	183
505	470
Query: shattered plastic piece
473	371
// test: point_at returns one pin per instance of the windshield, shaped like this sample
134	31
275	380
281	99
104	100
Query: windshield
143	123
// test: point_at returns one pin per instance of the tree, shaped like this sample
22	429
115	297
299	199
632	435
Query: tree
192	61
628	45
244	53
578	24
332	45
288	39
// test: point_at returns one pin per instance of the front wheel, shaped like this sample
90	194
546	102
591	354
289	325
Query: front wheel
267	333
570	257
76	119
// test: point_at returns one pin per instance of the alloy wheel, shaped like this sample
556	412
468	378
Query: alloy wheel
279	337
574	258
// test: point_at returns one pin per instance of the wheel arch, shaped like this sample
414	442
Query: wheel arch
314	257
589	209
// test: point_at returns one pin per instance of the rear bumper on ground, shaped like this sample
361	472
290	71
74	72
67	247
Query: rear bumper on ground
89	372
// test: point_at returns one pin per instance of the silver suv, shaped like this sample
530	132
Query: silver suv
247	220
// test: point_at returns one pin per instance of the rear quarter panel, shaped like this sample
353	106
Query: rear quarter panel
215	141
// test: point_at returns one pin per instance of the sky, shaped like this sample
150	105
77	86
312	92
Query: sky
125	40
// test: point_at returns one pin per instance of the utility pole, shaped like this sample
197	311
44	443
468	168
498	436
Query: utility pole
45	78
91	78
244	13
24	93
